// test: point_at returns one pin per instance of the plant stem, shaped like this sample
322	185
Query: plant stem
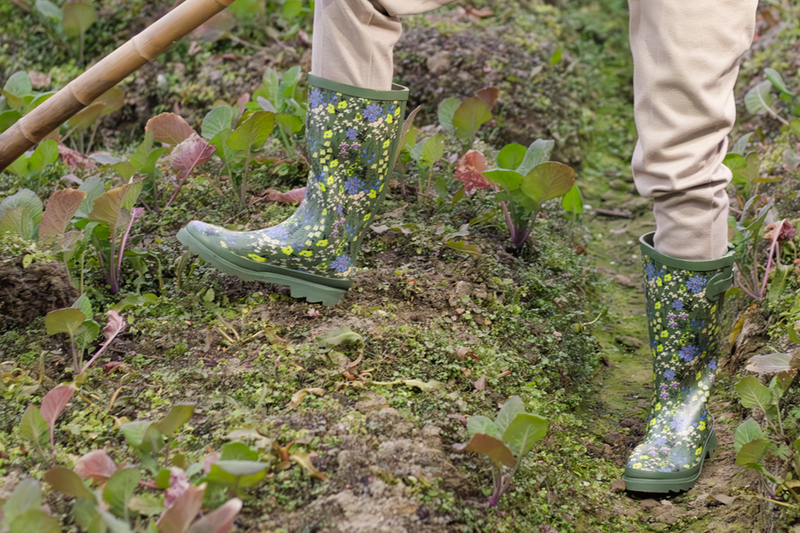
243	188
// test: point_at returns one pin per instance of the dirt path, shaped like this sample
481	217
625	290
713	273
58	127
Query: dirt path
623	399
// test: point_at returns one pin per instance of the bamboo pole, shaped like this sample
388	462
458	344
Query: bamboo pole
115	67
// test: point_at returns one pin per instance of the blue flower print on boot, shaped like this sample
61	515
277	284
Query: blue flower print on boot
373	112
696	284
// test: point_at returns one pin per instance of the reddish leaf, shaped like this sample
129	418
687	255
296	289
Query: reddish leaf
73	158
293	196
53	404
169	128
470	171
182	513
115	325
178	484
481	383
39	80
60	209
96	465
489	95
219	520
191	153
489	446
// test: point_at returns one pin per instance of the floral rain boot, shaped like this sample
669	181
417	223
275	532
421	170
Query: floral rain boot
352	135
684	304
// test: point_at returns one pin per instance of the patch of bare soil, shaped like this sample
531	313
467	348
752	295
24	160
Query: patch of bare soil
375	472
30	292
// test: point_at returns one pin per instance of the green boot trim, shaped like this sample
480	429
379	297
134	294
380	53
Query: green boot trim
352	134
684	303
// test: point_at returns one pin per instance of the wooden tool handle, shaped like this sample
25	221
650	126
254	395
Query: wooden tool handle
119	64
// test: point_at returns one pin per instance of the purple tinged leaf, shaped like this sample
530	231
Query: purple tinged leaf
489	446
53	405
469	171
169	128
61	207
189	154
488	95
219	520
183	510
96	465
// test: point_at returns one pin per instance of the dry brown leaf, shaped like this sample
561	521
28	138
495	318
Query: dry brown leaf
304	460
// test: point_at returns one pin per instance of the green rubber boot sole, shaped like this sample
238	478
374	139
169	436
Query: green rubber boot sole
310	287
665	482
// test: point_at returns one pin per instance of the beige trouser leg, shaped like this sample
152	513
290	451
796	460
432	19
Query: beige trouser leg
354	39
686	60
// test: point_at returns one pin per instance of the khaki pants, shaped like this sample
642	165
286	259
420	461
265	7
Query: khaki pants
686	60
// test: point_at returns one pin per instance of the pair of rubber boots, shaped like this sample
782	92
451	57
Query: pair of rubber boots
353	135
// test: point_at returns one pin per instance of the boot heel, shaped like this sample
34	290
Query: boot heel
316	293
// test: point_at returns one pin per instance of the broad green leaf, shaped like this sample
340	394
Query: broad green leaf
84	304
489	446
523	432
87	116
237	451
34	520
238	473
67	482
794	125
94	188
511	408
340	336
511	156
745	169
740	146
17	221
27	199
547	181
134	432
224	151
748	431
78	18
271	85
538	152
482	424
777	81
779	281
508	180
291	9
433	150
447	110
572	201
18	84
136	300
462	246
216	120
470	116
752	453
146	505
9	118
253	132
45	154
87	516
61	207
759	98
27	495
114	99
290	124
120	487
753	394
67	320
178	415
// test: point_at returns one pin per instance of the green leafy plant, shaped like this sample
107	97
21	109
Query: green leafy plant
282	95
427	153
24	510
18	99
39	422
506	441
236	146
29	166
464	118
770	451
525	180
761	98
72	21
